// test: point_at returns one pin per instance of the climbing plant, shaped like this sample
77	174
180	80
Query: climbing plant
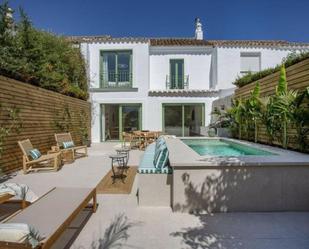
10	122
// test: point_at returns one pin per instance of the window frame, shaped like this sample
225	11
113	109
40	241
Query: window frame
250	54
183	73
104	85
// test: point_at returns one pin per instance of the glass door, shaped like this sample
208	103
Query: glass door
177	73
119	118
111	116
183	120
172	116
131	118
193	119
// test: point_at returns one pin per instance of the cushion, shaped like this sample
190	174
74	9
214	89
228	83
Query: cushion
34	154
19	190
68	144
19	233
161	160
160	141
160	144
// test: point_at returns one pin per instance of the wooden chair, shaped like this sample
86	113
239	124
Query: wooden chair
129	138
52	214
45	162
66	137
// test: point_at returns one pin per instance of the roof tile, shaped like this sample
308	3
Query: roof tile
187	41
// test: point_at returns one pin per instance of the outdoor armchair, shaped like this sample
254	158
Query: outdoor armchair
62	138
44	162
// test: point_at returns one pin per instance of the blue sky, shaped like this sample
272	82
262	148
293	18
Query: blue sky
222	19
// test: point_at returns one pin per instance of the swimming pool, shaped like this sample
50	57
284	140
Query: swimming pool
220	147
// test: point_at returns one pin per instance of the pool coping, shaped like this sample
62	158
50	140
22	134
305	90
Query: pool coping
182	156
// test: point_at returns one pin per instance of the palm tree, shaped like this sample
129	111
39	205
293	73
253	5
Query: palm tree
238	112
301	119
253	106
284	105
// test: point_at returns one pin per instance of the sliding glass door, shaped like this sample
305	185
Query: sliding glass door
183	119
118	118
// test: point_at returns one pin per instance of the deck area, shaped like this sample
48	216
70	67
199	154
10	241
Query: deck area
176	230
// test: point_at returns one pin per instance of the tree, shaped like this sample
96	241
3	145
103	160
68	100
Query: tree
40	58
253	106
301	119
238	111
284	105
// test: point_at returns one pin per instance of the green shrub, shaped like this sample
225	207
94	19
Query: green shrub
41	58
290	60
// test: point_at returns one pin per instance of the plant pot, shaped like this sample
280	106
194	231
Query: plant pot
224	132
87	142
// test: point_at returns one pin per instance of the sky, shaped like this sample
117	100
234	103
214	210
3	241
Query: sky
221	19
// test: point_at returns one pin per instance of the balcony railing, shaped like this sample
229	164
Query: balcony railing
121	79
177	82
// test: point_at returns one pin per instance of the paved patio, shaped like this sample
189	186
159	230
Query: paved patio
160	227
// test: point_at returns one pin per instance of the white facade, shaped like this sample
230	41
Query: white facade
228	61
210	69
197	65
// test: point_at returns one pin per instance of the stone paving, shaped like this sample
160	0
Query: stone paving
153	228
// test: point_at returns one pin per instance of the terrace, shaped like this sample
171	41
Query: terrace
149	188
175	229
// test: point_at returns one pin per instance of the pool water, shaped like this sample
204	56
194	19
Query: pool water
217	147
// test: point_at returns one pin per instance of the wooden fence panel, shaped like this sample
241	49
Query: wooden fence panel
39	110
297	78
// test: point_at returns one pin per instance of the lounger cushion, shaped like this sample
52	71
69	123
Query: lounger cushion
68	144
34	154
18	190
19	233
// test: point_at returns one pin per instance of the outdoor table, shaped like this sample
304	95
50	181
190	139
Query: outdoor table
121	160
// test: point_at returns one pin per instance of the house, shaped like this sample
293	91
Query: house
167	84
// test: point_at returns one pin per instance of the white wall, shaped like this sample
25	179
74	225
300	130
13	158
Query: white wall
197	64
140	62
140	70
228	60
206	67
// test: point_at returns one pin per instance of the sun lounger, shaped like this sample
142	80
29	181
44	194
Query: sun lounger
66	137
44	162
52	214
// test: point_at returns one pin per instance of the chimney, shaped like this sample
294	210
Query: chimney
198	29
9	17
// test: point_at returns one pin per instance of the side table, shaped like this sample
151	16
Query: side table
120	159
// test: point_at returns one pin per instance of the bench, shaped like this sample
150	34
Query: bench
52	214
154	187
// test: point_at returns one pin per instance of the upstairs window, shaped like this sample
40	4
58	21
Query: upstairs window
116	69
250	62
